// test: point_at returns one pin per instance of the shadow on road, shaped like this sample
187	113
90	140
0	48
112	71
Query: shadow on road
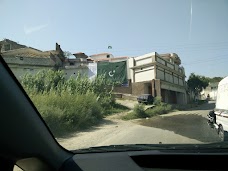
97	126
192	126
206	106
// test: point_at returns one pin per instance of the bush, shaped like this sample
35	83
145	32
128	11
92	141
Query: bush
157	100
139	111
129	116
66	112
69	104
44	80
158	110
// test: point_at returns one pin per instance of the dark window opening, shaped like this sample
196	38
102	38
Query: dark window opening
108	56
71	63
21	58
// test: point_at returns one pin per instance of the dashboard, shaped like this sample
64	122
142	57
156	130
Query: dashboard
151	161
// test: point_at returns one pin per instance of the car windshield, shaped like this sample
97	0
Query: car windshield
87	64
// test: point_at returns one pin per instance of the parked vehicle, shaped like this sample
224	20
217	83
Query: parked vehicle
218	118
145	98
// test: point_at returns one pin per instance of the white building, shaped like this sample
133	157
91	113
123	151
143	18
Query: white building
210	91
159	75
101	56
22	59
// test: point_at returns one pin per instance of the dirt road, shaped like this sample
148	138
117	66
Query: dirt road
177	127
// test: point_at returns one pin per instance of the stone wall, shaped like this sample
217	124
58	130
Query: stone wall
138	88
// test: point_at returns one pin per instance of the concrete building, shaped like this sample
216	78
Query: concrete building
101	56
153	73
74	66
210	91
22	59
159	75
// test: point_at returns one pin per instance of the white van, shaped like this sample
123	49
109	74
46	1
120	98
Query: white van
219	117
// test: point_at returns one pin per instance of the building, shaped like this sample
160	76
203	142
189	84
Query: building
159	75
152	73
22	59
210	91
101	56
76	64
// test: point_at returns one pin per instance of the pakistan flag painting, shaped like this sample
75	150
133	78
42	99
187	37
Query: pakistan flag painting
115	71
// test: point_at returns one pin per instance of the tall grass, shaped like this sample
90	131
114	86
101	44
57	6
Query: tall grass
69	104
64	112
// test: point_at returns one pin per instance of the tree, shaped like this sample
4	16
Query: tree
67	54
197	83
215	79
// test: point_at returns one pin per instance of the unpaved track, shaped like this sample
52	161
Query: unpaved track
177	127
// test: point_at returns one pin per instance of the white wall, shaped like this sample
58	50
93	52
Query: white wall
145	56
74	72
92	70
131	72
101	56
19	71
144	74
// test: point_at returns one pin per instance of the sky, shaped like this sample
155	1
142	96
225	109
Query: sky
197	30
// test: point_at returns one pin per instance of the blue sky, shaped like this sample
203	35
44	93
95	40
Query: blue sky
131	27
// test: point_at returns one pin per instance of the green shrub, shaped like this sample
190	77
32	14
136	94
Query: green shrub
69	104
139	111
157	100
129	116
158	110
66	112
44	80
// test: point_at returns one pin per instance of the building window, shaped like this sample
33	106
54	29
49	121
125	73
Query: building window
21	58
108	56
71	63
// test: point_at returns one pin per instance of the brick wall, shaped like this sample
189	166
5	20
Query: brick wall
137	88
124	90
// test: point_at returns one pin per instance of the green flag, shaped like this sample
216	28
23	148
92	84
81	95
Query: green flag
115	71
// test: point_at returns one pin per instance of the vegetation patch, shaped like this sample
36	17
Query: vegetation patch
73	104
139	110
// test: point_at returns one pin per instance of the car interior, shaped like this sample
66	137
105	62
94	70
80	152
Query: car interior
27	142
